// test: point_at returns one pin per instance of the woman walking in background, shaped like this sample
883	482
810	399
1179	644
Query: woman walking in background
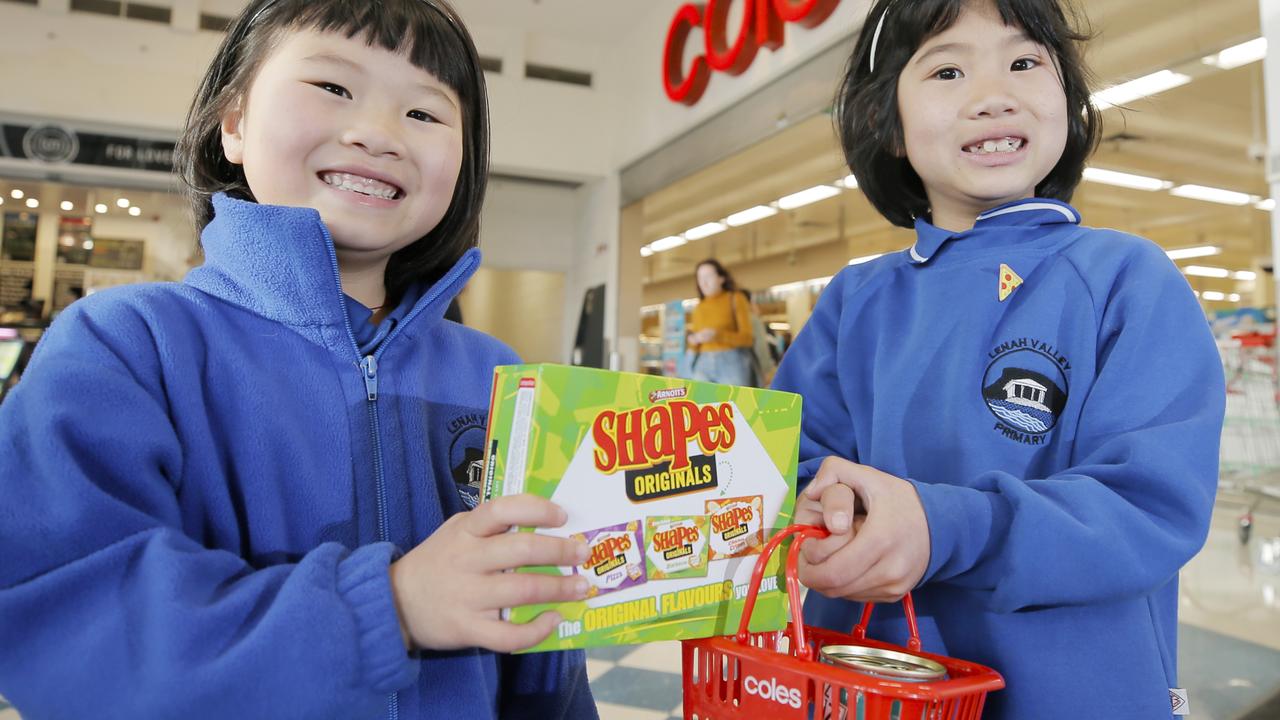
720	333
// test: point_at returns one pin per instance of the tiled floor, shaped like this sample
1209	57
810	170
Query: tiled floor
638	682
1229	640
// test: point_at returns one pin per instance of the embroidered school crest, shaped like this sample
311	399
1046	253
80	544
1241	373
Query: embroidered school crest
1009	281
466	455
1025	388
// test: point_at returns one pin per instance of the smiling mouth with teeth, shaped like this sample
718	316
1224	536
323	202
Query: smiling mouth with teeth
1003	145
362	185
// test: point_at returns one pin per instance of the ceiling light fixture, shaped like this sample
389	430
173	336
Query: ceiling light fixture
122	203
1202	271
667	243
646	251
135	211
786	288
33	203
1193	252
1145	86
67	205
1213	295
805	197
751	215
705	230
1237	55
1268	204
1125	180
100	208
1245	275
17	194
1211	194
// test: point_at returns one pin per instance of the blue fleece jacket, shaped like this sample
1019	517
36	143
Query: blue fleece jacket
1063	442
203	485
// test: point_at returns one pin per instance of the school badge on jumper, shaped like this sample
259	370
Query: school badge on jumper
1025	388
1009	281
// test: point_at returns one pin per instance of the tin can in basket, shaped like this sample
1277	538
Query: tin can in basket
877	662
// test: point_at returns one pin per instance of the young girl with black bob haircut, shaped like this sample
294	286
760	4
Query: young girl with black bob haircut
208	485
1017	418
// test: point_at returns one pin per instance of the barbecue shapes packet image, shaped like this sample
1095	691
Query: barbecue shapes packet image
676	547
674	485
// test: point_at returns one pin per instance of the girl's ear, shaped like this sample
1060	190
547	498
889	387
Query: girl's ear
233	134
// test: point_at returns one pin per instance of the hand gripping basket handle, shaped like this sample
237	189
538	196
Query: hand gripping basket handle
798	644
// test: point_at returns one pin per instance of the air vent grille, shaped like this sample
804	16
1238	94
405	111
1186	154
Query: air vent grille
216	23
557	74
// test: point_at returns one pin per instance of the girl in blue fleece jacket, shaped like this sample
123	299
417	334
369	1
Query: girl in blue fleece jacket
206	485
1017	418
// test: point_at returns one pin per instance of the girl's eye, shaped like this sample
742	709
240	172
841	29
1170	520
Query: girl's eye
1024	64
948	74
421	115
333	88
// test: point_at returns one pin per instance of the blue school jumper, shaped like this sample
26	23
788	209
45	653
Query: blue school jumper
1063	442
202	486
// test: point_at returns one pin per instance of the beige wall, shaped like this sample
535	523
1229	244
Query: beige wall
521	307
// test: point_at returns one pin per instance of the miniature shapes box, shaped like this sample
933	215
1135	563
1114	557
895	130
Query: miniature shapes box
674	485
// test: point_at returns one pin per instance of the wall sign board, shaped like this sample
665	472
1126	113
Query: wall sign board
729	50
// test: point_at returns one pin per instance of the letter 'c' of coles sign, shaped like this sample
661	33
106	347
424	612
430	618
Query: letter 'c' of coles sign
761	25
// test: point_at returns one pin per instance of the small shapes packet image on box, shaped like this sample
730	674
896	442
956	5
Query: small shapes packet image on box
737	526
615	560
648	461
676	547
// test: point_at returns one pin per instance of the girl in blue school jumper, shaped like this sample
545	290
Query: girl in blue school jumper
1018	417
207	486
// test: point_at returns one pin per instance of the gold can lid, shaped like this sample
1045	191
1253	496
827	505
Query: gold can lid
883	663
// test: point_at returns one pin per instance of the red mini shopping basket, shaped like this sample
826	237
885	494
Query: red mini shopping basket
774	675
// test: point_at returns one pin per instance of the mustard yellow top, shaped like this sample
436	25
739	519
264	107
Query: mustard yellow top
728	314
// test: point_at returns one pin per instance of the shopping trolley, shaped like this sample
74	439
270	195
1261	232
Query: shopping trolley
776	675
1250	454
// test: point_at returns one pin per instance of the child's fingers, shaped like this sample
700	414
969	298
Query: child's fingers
819	550
886	581
505	637
508	590
513	550
818	484
834	512
833	470
808	512
838	506
840	568
501	514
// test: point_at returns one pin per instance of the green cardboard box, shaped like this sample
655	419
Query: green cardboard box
674	484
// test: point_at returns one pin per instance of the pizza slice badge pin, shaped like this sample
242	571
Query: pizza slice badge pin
1009	281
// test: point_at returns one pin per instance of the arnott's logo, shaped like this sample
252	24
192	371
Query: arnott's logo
668	394
648	436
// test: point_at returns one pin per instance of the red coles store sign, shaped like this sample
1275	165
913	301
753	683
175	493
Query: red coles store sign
726	49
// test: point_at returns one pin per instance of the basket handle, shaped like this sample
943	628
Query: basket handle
800	647
802	533
908	610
